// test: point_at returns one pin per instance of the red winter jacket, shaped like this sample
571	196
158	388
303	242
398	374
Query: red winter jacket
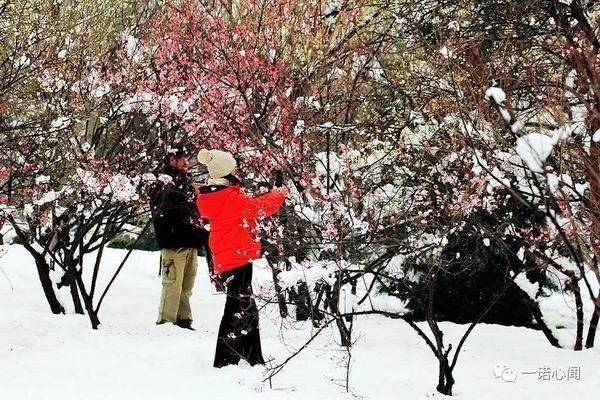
233	238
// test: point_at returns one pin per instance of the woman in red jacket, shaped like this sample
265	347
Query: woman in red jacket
234	244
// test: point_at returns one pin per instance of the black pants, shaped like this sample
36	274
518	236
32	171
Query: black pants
239	336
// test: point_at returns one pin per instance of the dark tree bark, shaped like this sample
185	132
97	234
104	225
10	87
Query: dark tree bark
445	377
303	303
333	300
47	285
88	303
43	270
579	311
283	311
539	319
69	280
591	335
75	294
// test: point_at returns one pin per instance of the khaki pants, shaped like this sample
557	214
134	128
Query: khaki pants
178	268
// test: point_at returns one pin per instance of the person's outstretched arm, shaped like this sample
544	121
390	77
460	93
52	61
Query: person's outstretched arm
265	205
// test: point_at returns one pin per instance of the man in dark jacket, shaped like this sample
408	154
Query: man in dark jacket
179	235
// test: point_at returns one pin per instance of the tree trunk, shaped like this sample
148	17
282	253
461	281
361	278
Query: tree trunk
303	303
74	291
345	332
539	318
43	270
445	377
47	285
76	300
589	342
579	308
68	279
88	302
1	236
283	311
92	314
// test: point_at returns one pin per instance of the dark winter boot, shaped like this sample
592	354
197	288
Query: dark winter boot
185	324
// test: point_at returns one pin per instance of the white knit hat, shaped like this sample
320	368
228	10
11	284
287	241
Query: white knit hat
219	163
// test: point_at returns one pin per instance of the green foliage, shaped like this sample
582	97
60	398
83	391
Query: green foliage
125	241
478	262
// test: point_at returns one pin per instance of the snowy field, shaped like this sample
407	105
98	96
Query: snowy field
43	356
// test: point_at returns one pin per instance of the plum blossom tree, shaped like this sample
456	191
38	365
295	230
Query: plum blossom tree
382	117
541	148
73	155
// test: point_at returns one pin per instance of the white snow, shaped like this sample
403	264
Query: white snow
505	115
517	126
495	93
42	179
321	164
562	133
122	187
47	197
149	177
43	356
134	51
446	53
596	137
553	182
479	164
299	128
528	287
533	149
307	213
60	122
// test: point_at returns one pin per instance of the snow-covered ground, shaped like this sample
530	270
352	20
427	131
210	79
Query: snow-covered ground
43	356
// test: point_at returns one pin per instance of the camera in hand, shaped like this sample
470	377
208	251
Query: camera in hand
278	178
